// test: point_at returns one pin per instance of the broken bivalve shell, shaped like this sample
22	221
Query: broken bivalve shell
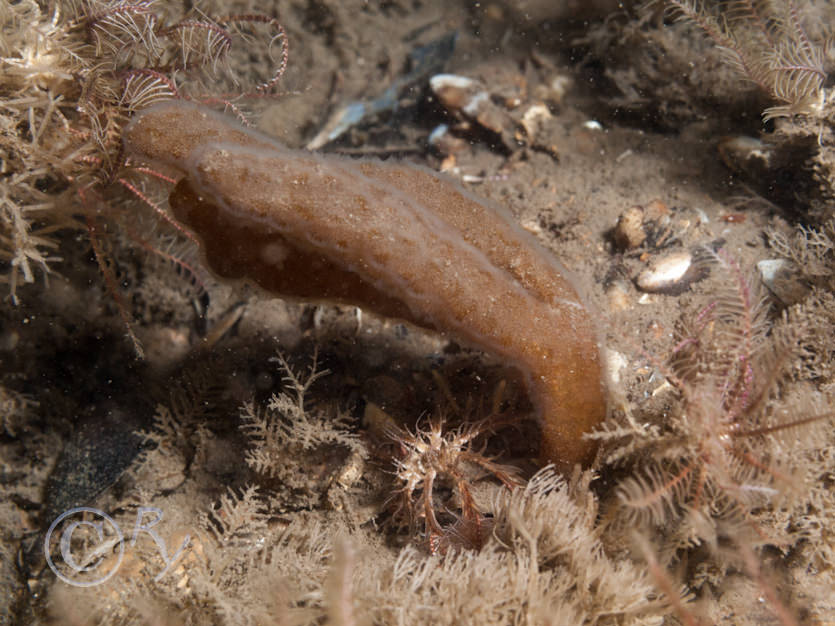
469	98
459	92
784	280
671	274
746	155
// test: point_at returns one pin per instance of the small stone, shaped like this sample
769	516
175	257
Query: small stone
629	231
448	164
534	118
532	225
555	90
656	209
618	295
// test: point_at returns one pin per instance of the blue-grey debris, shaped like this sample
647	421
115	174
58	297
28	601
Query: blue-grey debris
425	60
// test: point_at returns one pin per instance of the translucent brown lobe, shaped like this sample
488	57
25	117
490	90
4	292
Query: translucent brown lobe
392	238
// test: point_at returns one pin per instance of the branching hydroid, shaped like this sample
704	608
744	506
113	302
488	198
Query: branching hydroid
70	78
767	43
286	428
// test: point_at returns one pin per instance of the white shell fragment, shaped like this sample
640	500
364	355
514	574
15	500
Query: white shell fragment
769	270
440	82
746	155
667	274
535	118
782	278
615	364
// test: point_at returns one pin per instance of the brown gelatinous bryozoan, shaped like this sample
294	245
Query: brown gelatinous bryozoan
394	238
